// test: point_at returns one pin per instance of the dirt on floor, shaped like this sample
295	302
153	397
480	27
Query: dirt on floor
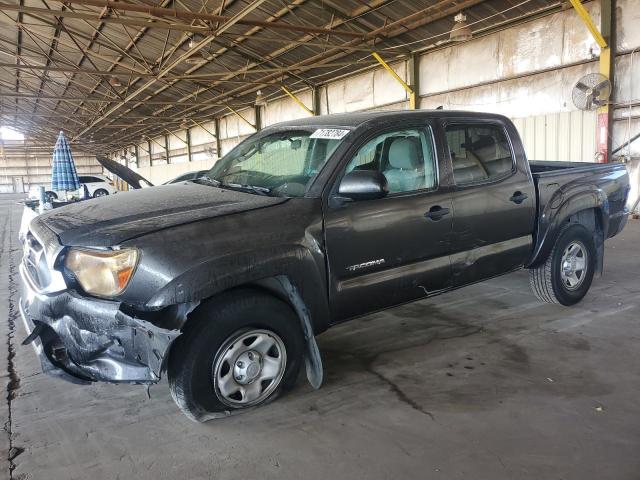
482	383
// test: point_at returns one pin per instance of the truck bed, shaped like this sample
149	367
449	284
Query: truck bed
541	168
556	182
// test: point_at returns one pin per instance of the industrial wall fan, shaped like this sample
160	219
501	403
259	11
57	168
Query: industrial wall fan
591	91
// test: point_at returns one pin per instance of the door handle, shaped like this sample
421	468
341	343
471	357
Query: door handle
518	197
436	212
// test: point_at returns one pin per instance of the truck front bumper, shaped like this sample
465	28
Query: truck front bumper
86	340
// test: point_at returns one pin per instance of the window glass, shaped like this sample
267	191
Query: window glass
405	157
284	162
85	179
479	152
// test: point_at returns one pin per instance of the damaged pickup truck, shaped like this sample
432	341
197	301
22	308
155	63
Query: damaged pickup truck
223	282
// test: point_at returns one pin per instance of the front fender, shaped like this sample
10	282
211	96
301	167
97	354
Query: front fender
212	276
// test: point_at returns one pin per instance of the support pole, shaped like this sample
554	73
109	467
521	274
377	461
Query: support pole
410	92
413	75
605	38
607	68
588	21
166	148
297	100
315	92
189	157
216	123
258	116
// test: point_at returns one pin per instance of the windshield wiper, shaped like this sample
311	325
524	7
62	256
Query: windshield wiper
238	186
251	188
209	180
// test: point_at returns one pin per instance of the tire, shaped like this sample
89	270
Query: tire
50	196
553	284
101	192
203	365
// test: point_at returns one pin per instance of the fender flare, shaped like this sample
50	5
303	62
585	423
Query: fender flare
551	220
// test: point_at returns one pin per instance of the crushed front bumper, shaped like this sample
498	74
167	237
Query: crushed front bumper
86	340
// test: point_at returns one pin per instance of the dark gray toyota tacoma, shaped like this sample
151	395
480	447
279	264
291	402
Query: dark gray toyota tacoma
223	282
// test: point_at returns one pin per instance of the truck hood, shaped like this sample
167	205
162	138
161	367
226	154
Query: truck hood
134	179
111	220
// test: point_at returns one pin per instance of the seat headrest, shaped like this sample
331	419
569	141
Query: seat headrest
403	153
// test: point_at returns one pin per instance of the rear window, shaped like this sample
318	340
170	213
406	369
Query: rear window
479	153
85	179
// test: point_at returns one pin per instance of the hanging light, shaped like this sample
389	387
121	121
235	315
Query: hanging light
461	32
114	81
196	57
260	99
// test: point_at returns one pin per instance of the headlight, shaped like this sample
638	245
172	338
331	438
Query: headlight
105	273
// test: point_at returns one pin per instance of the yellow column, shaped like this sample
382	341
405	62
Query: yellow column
408	89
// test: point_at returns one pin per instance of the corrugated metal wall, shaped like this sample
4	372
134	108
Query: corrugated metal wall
32	165
565	136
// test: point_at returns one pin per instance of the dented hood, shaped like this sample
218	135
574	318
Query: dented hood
111	220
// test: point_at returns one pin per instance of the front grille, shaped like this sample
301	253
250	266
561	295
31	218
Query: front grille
35	262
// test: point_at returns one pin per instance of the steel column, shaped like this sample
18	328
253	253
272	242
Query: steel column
258	116
189	156
216	123
603	39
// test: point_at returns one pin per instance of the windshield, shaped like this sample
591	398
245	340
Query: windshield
282	163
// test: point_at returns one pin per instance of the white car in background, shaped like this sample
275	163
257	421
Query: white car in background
97	185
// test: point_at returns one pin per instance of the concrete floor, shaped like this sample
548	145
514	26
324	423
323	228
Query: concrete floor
482	383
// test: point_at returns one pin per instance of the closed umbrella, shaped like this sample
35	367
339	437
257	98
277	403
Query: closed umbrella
63	174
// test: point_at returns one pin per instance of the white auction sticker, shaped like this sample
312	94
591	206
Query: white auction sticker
329	133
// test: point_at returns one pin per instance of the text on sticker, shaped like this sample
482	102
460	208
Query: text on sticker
329	133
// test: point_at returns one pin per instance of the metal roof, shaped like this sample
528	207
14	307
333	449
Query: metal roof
110	72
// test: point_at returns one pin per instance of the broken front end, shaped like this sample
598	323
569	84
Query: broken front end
82	338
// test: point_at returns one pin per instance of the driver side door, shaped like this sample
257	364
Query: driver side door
395	249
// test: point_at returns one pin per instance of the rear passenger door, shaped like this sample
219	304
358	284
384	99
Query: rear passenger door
493	201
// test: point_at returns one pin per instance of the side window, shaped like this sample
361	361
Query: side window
90	180
405	157
478	152
83	179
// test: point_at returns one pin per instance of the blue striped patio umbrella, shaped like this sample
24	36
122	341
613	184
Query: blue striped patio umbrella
63	174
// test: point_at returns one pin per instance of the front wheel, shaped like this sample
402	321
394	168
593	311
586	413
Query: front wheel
566	275
239	351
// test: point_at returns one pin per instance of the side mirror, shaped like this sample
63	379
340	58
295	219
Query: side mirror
363	185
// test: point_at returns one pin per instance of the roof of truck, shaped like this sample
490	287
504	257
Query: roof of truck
358	118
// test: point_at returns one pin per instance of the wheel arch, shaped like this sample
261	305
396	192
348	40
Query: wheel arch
281	287
588	208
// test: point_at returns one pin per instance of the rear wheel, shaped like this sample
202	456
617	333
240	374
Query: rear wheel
101	192
566	275
241	350
50	196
